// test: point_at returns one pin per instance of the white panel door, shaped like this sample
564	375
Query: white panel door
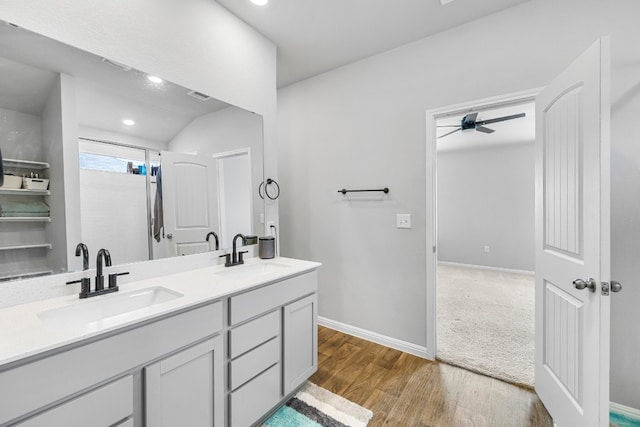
572	242
189	200
234	178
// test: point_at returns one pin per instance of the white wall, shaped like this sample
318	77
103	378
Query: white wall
20	135
364	125
486	198
60	147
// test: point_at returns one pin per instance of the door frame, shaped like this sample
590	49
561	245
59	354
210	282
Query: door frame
219	157
431	197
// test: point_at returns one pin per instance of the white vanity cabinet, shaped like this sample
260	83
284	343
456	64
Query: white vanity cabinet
227	361
78	383
272	346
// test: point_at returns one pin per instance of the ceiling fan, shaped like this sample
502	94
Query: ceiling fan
469	122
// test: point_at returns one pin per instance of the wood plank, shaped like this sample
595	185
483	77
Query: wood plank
405	390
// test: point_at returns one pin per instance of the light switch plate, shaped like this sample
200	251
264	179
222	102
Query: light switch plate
403	220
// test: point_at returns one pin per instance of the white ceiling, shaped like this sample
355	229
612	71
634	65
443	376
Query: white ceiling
314	36
516	131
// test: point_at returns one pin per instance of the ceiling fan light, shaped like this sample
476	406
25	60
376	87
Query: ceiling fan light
259	2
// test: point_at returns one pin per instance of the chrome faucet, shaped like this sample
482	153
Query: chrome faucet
85	255
102	254
85	282
215	236
235	258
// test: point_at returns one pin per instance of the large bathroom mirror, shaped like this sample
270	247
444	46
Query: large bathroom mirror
100	153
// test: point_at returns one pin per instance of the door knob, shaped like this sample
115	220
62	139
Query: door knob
169	236
581	284
615	286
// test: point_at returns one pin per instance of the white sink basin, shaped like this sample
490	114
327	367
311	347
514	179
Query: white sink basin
109	306
246	271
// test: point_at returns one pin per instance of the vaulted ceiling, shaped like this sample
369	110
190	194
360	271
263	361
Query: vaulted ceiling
314	36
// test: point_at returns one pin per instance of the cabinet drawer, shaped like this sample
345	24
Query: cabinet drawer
252	334
104	406
251	364
252	303
256	398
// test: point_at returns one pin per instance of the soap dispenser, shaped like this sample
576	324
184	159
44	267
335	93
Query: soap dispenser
267	247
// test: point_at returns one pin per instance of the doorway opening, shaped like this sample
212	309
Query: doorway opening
480	272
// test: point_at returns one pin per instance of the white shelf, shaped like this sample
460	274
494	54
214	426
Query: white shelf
24	192
26	164
25	219
26	246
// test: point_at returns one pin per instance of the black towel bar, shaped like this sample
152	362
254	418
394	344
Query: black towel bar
345	191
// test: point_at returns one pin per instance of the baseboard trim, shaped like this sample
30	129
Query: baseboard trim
485	267
627	411
384	340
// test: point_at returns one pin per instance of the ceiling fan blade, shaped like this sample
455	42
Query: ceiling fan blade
470	118
500	119
449	133
448	126
484	129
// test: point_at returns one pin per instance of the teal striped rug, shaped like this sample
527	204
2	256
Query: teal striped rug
314	406
617	419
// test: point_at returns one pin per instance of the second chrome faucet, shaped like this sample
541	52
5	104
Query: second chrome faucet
85	283
235	257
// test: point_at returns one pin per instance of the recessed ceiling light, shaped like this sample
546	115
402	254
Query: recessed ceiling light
260	2
154	79
128	122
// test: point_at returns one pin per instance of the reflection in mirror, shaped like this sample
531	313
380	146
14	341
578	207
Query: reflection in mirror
135	164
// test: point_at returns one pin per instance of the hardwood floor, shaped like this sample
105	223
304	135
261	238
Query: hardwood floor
405	390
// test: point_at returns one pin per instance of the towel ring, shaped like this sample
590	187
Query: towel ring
266	183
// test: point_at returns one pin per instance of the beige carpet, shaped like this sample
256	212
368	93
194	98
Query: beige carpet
486	322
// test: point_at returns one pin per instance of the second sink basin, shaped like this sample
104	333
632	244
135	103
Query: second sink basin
246	271
108	306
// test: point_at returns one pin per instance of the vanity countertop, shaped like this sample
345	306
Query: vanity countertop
25	332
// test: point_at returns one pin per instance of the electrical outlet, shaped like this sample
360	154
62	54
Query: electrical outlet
261	218
487	249
403	221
